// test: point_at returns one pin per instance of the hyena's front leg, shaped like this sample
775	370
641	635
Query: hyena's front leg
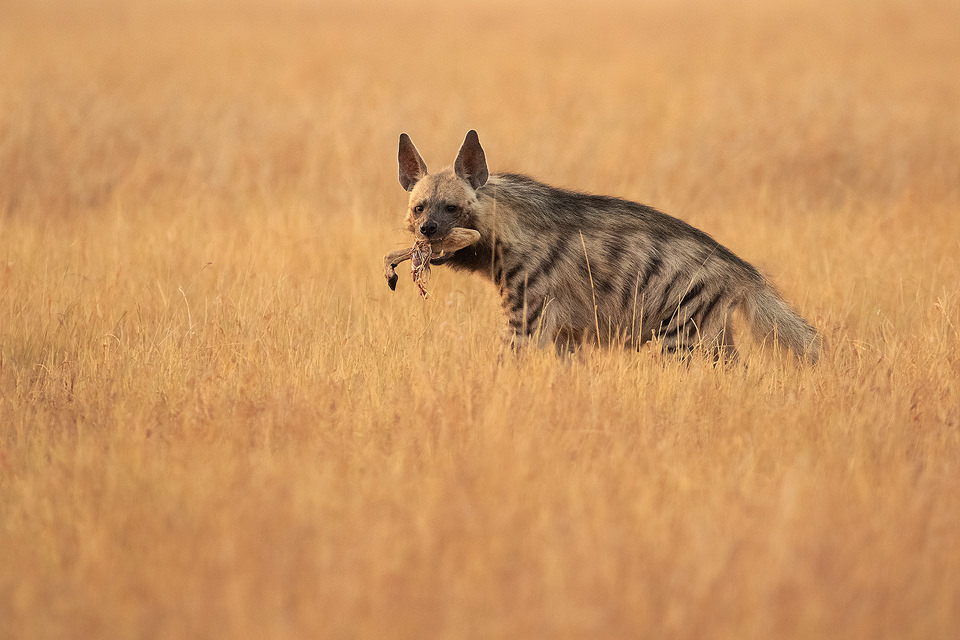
533	324
719	341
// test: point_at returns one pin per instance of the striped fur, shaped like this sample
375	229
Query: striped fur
572	267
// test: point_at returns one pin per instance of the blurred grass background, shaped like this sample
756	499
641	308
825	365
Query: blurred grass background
218	421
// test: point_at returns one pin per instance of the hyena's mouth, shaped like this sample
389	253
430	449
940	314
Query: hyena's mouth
423	254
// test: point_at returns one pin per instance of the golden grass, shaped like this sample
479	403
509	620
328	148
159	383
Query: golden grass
217	421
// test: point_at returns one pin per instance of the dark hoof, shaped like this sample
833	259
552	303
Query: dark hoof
392	282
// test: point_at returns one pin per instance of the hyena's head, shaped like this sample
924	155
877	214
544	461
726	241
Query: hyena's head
441	201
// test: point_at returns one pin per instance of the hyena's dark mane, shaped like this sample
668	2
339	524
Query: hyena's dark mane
549	209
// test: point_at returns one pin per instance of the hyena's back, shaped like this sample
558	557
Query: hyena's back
650	276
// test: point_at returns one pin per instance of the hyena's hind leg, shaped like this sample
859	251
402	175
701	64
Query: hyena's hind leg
717	339
682	347
677	335
706	332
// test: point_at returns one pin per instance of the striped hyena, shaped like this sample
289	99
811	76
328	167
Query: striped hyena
572	267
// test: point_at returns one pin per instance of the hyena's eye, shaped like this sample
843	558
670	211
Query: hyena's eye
451	208
418	208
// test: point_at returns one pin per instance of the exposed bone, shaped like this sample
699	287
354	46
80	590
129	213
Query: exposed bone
457	239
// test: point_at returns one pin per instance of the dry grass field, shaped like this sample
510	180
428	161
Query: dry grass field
216	420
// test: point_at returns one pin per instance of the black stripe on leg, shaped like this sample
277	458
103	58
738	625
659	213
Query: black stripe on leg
533	315
692	292
518	289
679	319
683	340
709	308
668	302
672	333
516	296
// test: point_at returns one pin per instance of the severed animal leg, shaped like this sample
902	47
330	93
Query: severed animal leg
423	253
458	238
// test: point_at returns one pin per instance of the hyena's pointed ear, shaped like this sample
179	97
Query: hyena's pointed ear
471	164
412	166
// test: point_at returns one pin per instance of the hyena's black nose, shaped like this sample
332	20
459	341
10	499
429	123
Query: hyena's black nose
428	228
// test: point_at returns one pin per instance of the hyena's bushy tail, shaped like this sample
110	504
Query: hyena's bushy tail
772	319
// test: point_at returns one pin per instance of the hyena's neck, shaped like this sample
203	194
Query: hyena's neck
489	257
496	222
